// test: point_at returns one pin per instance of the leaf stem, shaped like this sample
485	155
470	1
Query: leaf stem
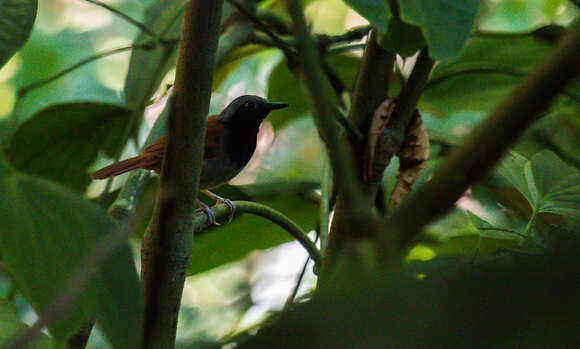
127	18
144	46
222	210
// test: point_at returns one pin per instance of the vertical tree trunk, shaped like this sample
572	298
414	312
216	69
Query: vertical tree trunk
167	245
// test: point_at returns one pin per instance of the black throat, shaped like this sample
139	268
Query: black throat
240	142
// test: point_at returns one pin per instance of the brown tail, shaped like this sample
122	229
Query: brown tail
117	168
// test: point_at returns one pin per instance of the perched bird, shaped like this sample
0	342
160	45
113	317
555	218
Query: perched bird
230	141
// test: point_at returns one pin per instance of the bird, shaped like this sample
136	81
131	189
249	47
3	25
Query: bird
230	142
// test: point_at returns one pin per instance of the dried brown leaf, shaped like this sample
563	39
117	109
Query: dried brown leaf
378	125
413	157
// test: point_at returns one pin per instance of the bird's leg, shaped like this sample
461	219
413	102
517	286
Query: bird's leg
210	215
218	200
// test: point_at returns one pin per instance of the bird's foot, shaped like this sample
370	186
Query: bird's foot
219	200
210	214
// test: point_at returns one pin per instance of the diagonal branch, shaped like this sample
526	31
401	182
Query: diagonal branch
486	145
322	105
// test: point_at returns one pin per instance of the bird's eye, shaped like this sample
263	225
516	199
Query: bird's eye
250	105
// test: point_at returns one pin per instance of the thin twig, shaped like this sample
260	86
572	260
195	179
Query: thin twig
129	19
25	89
346	48
263	27
294	292
222	210
322	104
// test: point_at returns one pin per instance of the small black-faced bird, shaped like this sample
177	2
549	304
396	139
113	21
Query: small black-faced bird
230	142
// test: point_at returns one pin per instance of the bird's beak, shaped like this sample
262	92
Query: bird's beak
274	106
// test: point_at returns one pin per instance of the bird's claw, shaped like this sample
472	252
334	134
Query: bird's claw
219	200
211	219
232	207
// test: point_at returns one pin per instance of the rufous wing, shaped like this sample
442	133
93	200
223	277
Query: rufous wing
151	157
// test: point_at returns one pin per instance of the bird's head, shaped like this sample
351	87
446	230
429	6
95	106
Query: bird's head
248	110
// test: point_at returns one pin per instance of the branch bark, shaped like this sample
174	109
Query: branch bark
371	89
167	244
485	146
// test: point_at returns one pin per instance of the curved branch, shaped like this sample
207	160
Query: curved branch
222	211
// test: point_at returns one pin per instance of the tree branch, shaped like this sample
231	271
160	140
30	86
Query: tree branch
167	244
484	148
322	104
401	118
371	89
222	210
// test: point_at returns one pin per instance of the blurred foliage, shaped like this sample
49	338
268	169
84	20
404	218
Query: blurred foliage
54	135
41	260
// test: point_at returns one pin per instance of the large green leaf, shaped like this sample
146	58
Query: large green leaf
488	68
16	20
283	87
377	12
554	186
10	325
549	184
445	23
402	38
62	141
45	233
148	67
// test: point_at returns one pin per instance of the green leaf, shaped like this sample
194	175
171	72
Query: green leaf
45	233
224	244
555	186
61	142
295	156
488	68
512	168
283	87
10	325
147	67
445	23
402	38
549	184
16	21
377	12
